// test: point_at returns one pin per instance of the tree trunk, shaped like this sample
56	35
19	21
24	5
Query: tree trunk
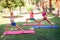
20	9
50	5
11	11
57	10
43	6
42	3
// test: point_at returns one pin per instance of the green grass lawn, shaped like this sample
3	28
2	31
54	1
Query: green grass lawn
40	33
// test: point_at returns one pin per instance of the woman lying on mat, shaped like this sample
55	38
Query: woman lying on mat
12	23
45	17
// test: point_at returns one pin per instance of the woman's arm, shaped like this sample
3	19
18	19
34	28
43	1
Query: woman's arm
6	16
10	16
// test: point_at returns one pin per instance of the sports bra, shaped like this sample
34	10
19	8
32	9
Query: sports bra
44	13
11	18
31	15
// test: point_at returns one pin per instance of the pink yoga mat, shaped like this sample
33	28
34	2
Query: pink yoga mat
19	32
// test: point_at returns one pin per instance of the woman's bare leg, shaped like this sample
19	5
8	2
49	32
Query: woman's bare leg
19	27
37	22
49	22
27	21
40	21
7	26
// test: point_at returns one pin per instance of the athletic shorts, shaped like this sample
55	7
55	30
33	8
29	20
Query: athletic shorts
13	24
32	19
45	18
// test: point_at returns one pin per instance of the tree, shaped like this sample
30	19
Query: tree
8	4
1	6
19	3
57	7
50	5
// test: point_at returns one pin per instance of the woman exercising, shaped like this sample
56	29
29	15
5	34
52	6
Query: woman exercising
32	18
45	17
13	23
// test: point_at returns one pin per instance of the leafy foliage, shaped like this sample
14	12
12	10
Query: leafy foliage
29	7
12	3
36	1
